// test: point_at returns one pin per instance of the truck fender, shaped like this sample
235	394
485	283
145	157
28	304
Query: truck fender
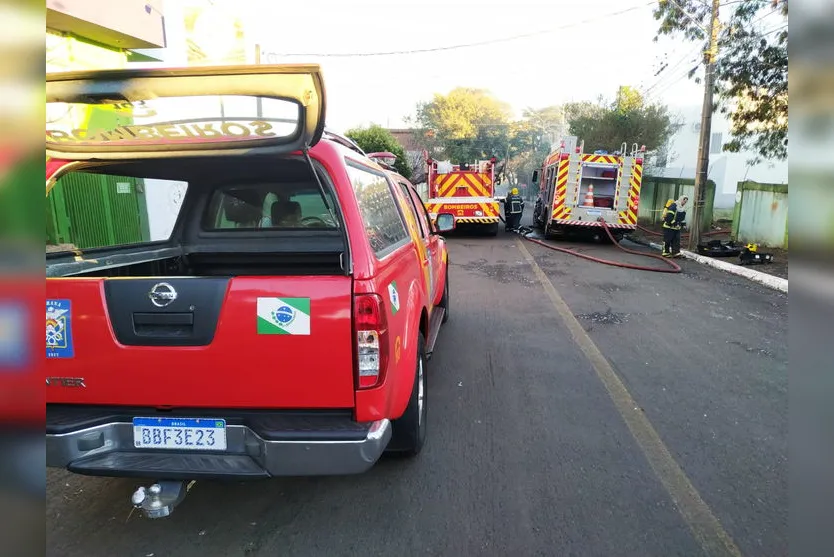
444	276
402	373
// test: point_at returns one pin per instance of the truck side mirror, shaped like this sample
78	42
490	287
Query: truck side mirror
535	176
444	222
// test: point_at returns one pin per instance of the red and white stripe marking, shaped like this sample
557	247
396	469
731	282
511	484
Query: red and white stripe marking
594	223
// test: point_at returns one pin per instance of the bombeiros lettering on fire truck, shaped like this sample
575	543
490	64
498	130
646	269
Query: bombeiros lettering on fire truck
578	191
255	129
465	191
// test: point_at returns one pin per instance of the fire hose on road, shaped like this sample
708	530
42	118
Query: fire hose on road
653	233
673	267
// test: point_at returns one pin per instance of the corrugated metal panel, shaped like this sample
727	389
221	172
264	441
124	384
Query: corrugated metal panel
100	210
85	210
763	218
124	209
656	191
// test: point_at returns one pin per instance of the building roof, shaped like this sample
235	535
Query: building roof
405	137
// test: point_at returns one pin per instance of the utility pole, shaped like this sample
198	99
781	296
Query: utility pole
702	169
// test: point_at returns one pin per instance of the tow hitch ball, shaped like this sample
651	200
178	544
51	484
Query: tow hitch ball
159	500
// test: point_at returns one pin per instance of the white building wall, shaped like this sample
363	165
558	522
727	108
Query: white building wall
725	169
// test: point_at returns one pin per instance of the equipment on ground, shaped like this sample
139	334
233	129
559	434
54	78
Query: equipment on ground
747	254
750	255
717	248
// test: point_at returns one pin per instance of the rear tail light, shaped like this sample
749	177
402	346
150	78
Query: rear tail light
371	340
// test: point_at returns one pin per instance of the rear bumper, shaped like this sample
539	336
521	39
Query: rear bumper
107	450
469	218
475	210
476	220
593	223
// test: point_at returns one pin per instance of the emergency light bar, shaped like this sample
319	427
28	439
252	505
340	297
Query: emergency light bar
383	158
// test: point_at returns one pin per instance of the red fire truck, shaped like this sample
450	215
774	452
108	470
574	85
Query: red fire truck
577	190
466	191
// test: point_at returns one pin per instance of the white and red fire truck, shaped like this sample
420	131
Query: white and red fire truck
577	190
466	191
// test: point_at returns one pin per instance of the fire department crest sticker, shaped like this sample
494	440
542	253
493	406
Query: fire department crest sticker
394	296
59	329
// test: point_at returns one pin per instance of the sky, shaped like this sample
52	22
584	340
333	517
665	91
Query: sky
573	50
530	54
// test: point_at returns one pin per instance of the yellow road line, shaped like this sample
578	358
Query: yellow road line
701	521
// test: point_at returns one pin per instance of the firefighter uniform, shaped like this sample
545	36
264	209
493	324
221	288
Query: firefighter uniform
674	216
513	209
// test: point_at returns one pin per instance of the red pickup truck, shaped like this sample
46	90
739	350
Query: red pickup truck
282	328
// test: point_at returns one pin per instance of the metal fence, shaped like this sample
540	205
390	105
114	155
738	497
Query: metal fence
761	214
656	191
94	210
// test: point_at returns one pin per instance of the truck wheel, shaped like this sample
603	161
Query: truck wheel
491	229
444	301
409	433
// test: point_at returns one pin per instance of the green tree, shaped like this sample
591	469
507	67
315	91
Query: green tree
583	109
465	125
628	99
628	119
531	139
374	139
751	70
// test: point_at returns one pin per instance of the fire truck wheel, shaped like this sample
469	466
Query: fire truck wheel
409	433
444	301
491	229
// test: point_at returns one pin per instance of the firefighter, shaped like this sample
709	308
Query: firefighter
674	216
513	208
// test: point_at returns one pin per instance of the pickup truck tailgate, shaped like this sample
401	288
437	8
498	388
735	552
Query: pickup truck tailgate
234	342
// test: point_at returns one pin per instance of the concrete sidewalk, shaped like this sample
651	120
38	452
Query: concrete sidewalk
766	279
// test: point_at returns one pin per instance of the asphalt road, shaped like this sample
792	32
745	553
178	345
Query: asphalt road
531	451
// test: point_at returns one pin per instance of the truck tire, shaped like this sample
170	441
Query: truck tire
409	433
444	301
491	229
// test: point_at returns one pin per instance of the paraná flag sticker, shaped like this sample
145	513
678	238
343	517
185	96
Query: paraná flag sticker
283	316
394	296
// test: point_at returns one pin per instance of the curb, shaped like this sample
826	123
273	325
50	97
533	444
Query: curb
776	283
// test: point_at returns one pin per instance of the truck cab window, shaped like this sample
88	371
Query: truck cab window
417	207
383	222
274	206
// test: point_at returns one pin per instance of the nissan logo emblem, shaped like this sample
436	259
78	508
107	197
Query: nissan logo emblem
162	294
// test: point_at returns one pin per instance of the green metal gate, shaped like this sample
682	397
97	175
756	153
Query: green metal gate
96	210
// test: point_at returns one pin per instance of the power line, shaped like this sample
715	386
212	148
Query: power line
768	14
689	16
776	30
466	45
667	70
676	81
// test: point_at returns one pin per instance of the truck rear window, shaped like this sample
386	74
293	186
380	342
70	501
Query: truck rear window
87	210
273	205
